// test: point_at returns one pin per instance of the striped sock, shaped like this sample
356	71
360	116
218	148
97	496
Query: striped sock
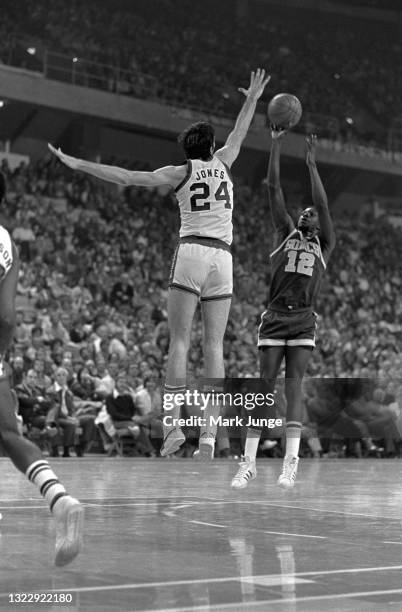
41	475
172	407
293	434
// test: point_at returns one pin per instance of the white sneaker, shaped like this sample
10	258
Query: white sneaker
172	440
69	517
289	470
247	471
206	449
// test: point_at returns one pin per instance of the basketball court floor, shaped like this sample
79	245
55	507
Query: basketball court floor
170	535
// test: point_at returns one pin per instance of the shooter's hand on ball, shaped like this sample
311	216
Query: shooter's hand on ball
311	143
258	81
71	162
278	132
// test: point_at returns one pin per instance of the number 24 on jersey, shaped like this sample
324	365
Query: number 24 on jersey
201	193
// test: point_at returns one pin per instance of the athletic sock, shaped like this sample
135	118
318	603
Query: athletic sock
293	434
212	409
171	407
41	475
252	443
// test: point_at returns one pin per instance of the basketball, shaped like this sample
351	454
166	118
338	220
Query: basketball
284	110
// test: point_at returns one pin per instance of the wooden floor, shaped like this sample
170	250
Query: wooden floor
171	535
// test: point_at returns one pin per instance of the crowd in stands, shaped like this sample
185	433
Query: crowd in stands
91	323
337	67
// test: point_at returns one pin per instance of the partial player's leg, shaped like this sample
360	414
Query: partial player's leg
215	313
270	362
181	308
67	511
297	358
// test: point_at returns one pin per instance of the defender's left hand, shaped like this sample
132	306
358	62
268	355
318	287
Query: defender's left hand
71	162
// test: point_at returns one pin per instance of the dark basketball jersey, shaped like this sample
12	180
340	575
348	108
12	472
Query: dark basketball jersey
297	267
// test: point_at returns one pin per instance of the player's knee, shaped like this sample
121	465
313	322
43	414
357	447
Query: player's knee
213	346
179	344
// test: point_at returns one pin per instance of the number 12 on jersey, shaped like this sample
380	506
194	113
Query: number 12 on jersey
202	192
301	262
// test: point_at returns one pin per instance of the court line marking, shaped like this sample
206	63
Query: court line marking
100	504
296	535
208	524
390	542
266	603
144	585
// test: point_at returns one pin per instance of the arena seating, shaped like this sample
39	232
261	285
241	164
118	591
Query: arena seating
77	237
352	78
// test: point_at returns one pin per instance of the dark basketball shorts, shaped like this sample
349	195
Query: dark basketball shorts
280	328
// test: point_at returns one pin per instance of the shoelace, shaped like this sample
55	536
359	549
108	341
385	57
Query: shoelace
243	471
289	469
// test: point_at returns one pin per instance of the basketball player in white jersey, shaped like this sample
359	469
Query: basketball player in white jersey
26	456
202	264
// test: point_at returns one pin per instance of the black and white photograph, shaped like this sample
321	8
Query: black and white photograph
201	305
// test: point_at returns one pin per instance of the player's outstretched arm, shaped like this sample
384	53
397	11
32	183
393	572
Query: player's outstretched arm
231	149
169	175
282	220
319	195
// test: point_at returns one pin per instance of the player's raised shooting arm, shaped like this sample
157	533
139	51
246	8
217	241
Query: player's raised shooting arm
229	152
169	175
319	196
282	220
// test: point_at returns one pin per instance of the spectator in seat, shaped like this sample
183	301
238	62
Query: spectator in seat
122	410
43	381
17	371
22	331
122	293
62	412
33	404
148	402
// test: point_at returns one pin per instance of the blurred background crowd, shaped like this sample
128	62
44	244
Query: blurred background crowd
156	52
91	339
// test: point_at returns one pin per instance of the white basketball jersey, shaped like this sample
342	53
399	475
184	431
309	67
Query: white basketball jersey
6	252
205	199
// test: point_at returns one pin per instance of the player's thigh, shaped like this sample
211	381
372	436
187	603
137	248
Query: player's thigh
190	268
215	314
270	361
218	283
181	308
297	358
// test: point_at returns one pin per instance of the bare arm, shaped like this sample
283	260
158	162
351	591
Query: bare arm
282	220
319	197
169	175
229	152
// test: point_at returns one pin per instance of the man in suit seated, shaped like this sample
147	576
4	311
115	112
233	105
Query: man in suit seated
122	410
77	424
33	406
62	411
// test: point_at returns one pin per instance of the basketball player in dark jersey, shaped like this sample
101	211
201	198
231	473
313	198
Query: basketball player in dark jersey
27	458
287	329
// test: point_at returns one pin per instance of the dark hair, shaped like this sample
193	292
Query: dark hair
197	140
3	186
